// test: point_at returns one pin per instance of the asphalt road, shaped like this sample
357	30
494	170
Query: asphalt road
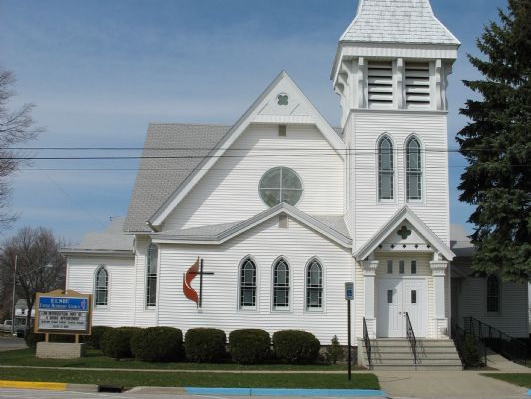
37	394
8	342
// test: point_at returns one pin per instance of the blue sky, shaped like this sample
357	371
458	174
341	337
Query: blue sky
99	71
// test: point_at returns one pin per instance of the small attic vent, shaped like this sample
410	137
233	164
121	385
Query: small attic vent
281	130
282	221
380	83
417	84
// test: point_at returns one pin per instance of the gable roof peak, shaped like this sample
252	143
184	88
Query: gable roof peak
397	21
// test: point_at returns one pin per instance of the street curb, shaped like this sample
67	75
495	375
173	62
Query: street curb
50	386
158	390
82	387
285	392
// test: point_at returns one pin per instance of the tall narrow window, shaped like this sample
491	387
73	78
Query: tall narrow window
281	285
385	169
151	275
101	286
493	294
314	286
248	284
413	170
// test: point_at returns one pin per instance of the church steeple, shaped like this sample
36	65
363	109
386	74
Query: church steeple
394	55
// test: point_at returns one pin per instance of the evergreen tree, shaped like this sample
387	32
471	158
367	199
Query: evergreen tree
497	144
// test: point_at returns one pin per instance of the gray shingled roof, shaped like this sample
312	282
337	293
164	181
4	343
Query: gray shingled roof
158	178
397	21
111	239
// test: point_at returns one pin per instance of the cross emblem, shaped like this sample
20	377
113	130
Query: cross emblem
189	292
404	232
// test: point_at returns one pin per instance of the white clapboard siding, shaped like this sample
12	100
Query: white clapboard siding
265	243
120	308
366	128
229	192
513	316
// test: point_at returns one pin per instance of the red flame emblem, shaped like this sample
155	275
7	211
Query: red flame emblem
189	292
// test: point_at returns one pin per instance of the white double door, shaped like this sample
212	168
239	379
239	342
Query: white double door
395	298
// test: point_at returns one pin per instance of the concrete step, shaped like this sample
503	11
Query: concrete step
439	356
419	367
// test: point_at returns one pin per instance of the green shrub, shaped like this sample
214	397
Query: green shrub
204	344
249	346
116	342
157	344
93	340
471	356
334	351
294	346
31	338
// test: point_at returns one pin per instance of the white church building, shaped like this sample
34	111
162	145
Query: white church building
282	209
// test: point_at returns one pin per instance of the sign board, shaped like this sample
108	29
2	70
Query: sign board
61	312
349	291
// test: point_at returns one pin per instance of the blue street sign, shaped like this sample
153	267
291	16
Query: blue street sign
349	291
63	303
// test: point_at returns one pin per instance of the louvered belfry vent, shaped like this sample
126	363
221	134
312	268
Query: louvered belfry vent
380	83
417	84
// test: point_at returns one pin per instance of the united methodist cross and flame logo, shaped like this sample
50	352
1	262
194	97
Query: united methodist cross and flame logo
189	292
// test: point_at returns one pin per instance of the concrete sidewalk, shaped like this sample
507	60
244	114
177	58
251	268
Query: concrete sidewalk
445	384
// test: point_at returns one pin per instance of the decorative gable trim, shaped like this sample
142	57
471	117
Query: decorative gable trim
248	224
405	213
156	220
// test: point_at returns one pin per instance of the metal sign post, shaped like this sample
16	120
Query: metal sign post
349	296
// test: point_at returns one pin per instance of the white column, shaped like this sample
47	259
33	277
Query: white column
369	275
438	271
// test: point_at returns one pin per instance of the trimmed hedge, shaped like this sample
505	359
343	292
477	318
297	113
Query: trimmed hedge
203	345
116	342
249	346
295	346
157	344
93	340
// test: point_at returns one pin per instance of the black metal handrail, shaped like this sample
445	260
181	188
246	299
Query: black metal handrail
411	337
367	341
458	335
500	342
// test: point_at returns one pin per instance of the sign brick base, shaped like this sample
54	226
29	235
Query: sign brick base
60	350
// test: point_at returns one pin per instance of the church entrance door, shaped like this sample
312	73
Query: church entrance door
396	297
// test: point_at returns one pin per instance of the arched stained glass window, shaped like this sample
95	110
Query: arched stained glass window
314	286
247	284
151	275
493	294
385	169
413	169
101	286
281	285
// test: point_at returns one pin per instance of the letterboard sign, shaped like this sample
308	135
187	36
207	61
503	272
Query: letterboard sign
63	313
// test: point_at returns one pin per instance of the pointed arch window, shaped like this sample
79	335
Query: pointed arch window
493	294
101	287
413	169
385	169
151	275
281	285
314	286
248	284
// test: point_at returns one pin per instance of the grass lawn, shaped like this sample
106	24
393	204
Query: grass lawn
94	358
131	379
523	380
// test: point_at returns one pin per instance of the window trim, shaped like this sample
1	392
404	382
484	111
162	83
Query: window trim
302	190
100	268
379	172
273	287
149	276
256	290
498	296
421	171
322	286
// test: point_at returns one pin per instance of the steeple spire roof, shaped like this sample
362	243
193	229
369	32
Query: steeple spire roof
397	21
